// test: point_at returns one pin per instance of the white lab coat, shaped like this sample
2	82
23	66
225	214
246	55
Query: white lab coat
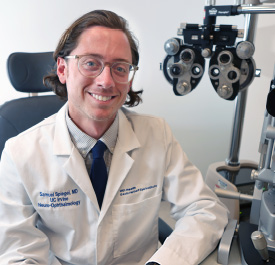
49	212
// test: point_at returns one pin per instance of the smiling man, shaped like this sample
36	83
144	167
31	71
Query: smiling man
87	190
97	81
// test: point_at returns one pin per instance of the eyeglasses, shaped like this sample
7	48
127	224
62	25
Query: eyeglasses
90	66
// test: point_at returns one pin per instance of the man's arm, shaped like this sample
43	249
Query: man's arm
20	239
200	216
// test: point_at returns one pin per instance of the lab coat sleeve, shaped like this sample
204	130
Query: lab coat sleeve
20	241
200	216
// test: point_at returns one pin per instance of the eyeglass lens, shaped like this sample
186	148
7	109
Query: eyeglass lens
122	72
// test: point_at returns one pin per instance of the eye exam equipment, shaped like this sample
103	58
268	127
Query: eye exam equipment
242	185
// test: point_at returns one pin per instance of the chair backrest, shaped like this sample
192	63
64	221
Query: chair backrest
26	71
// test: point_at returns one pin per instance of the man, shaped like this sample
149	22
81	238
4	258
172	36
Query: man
52	212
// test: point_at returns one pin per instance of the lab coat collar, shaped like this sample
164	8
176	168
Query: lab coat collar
69	157
74	164
63	144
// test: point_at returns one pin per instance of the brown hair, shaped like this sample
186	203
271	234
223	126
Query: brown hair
69	41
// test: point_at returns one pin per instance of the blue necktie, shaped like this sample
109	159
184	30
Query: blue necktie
98	173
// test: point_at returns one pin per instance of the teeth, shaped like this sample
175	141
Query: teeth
101	98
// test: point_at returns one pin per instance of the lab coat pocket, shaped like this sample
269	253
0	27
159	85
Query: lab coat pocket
135	225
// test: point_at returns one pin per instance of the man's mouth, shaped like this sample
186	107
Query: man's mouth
100	98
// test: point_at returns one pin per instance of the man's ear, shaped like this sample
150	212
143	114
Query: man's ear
61	70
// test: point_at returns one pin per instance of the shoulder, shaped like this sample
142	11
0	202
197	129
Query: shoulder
33	135
143	119
146	124
43	130
43	125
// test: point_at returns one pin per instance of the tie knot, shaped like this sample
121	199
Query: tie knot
98	150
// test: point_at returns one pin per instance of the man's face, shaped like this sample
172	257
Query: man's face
85	95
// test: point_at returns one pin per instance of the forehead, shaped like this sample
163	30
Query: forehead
105	42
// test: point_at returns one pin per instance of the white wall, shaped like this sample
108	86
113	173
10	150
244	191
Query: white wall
201	121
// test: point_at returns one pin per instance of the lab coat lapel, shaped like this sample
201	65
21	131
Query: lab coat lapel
121	161
70	158
76	169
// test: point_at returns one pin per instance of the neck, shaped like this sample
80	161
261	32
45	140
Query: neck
93	125
95	129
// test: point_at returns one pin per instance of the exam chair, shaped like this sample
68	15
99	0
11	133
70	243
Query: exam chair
164	230
26	71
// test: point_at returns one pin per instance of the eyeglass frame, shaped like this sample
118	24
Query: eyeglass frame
78	57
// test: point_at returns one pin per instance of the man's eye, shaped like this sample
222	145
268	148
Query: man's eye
121	69
91	63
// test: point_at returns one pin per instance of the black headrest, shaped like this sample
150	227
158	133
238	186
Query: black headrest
26	70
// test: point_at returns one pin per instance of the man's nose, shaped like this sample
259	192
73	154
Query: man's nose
105	79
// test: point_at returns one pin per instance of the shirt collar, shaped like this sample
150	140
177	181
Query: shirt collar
84	143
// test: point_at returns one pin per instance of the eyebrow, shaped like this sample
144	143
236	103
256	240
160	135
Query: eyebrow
102	57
